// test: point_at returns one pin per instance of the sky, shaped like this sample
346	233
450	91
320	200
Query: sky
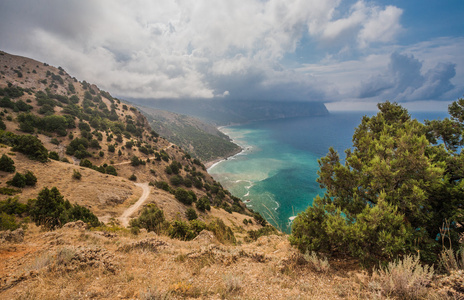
348	54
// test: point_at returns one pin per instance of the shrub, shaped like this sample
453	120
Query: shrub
319	264
180	230
19	180
111	170
53	155
187	182
9	191
11	206
86	163
51	210
7	164
94	144
253	235
133	177
78	212
135	161
259	219
163	185
7	222
222	232
151	218
31	179
203	204
176	180
449	260
31	146
405	279
191	214
183	196
76	175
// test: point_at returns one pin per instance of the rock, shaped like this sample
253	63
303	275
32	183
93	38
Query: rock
76	225
16	236
149	244
205	237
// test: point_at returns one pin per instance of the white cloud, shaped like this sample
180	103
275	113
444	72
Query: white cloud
381	26
204	49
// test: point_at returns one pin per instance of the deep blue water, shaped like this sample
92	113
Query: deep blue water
277	171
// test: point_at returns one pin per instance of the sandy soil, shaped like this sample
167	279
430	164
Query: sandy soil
124	219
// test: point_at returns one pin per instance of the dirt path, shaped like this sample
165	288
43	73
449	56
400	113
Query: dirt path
125	217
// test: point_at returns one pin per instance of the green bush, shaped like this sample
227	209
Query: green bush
183	196
253	235
51	210
203	204
11	206
76	175
176	180
191	214
19	180
135	161
7	222
111	170
151	218
53	155
7	164
181	230
133	177
221	231
31	179
86	163
163	185
30	146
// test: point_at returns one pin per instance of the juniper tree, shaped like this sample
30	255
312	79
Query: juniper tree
394	190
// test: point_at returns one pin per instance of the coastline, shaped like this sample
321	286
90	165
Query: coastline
211	163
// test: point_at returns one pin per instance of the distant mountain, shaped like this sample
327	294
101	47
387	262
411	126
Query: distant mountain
198	138
224	112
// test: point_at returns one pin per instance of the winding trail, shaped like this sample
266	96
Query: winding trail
124	218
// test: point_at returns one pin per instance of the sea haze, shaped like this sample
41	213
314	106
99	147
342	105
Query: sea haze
277	170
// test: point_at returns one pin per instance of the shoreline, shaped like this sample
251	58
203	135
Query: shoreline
212	163
209	164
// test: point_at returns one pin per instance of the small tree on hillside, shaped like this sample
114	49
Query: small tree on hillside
7	164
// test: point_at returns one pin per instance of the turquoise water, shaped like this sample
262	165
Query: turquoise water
276	172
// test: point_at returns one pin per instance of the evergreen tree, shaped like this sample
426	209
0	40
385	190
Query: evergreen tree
7	164
393	192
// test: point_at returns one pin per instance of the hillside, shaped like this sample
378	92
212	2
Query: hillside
165	229
88	131
198	138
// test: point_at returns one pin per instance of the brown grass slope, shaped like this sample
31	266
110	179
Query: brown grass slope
106	195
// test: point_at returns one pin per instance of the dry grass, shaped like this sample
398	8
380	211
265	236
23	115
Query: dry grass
66	266
406	278
451	261
319	264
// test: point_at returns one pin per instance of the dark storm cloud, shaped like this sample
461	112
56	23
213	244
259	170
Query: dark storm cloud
405	80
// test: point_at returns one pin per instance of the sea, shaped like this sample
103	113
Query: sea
276	172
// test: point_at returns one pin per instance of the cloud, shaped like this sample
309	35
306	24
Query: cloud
192	49
406	80
382	26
